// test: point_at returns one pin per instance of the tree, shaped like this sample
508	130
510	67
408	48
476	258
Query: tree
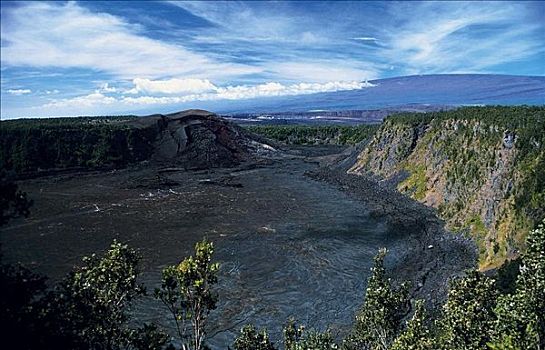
88	309
521	316
186	290
416	336
379	319
252	339
13	202
90	306
19	290
149	337
468	314
19	287
296	338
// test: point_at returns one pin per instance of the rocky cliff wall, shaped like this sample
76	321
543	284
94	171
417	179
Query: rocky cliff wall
483	169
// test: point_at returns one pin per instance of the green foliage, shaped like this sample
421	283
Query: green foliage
507	276
311	135
13	202
380	318
474	316
521	315
89	309
504	343
252	339
91	304
149	337
468	315
186	290
39	144
296	338
416	335
416	182
19	289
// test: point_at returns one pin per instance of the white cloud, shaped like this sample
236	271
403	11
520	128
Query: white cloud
49	92
240	92
310	38
172	86
78	38
245	22
19	92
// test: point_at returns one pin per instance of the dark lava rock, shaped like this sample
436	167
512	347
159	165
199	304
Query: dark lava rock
198	139
432	255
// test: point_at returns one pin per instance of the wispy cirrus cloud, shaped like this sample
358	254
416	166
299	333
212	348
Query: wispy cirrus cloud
289	44
38	34
415	37
448	37
242	21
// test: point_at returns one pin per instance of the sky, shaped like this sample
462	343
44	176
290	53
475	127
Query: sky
107	57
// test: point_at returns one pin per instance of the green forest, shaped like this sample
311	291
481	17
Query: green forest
90	142
315	135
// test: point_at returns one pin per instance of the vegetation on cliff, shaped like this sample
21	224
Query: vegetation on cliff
13	202
38	144
483	168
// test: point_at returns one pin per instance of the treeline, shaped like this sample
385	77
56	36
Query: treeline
39	144
315	135
504	115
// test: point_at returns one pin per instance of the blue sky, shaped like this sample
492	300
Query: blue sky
82	58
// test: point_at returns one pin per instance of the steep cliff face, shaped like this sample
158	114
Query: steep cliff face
483	169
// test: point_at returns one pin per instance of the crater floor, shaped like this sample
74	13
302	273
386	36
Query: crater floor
288	245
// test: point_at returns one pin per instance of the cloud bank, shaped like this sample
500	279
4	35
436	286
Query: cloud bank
191	88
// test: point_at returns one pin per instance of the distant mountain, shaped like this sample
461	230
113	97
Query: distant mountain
421	89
